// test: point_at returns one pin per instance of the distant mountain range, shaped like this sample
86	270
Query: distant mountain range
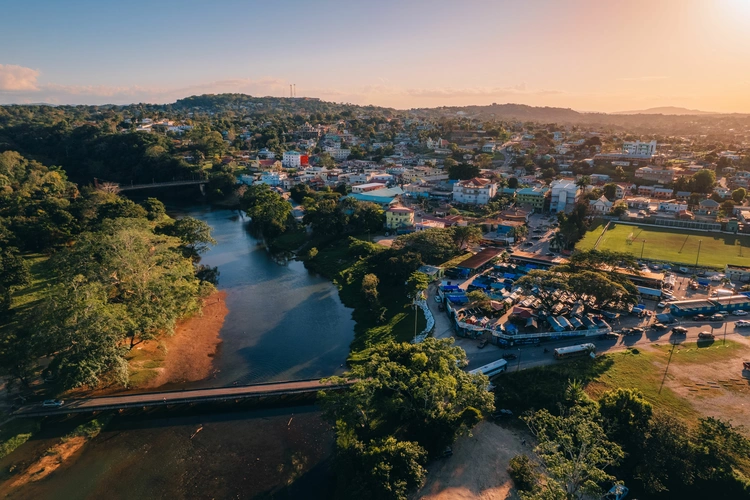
666	110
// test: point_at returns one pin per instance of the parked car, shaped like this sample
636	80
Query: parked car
700	317
742	324
509	356
717	317
438	298
740	312
706	336
658	326
550	254
661	305
637	331
609	336
52	403
482	343
679	330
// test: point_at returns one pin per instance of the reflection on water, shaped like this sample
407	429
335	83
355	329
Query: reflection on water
284	323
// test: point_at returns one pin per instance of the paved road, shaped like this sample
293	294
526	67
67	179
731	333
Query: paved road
172	397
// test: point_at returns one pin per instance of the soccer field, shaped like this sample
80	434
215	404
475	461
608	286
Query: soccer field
671	245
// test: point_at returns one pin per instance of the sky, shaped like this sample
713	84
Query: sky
589	55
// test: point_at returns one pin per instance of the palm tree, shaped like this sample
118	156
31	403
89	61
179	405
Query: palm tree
584	181
558	241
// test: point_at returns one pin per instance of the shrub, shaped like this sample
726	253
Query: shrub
522	471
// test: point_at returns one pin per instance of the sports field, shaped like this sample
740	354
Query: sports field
671	245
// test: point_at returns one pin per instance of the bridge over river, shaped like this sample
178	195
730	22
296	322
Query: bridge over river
156	399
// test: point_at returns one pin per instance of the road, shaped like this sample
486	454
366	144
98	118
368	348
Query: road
172	397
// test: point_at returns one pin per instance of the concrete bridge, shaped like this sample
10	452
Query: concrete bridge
133	187
165	399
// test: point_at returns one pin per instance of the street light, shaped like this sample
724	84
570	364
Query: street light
518	365
642	245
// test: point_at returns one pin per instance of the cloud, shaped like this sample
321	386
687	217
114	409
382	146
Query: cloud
642	78
17	78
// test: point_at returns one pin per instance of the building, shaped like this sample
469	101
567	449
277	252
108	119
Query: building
737	273
274	179
673	206
383	197
564	195
479	261
639	148
337	153
600	206
474	191
708	207
399	217
364	188
532	196
665	175
292	159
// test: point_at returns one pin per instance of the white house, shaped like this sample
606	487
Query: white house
292	159
673	206
600	206
474	191
337	153
274	179
564	194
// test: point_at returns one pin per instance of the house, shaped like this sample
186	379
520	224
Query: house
662	192
292	159
564	195
722	191
383	197
600	206
474	191
737	273
399	217
672	206
532	197
708	207
364	188
638	203
639	148
623	189
274	179
665	175
337	153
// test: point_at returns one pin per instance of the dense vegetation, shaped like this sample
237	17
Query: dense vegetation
121	273
407	403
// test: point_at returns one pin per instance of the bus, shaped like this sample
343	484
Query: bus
491	369
575	351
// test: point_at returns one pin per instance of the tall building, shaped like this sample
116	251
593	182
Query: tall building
564	195
474	191
292	159
639	148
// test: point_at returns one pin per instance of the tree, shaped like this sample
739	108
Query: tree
413	392
155	209
610	191
268	210
513	182
574	451
626	415
195	234
463	171
544	285
367	217
704	181
484	161
370	284
435	245
14	272
738	195
416	284
620	172
466	235
299	192
619	208
727	207
583	181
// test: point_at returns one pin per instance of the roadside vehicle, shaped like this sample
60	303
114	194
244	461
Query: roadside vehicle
529	244
491	369
550	254
706	336
637	331
742	324
509	357
609	336
740	312
447	452
482	343
438	298
625	331
700	317
679	330
575	351
717	317
658	326
52	403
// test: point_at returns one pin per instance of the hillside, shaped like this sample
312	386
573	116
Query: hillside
666	110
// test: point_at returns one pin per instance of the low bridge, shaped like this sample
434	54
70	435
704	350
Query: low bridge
133	187
157	399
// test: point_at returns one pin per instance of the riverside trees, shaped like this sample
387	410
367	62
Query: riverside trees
406	402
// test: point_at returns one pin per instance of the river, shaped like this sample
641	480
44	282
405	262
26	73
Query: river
284	323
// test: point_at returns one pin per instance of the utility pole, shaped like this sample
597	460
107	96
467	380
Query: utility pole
642	245
725	332
518	365
699	254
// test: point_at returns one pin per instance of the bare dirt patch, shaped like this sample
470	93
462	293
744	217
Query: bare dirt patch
385	241
718	388
190	351
49	463
478	468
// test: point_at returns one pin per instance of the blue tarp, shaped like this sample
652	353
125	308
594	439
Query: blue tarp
509	276
450	287
704	281
458	299
556	326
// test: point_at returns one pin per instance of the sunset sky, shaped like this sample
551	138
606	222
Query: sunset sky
589	55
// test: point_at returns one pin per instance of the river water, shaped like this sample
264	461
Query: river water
284	323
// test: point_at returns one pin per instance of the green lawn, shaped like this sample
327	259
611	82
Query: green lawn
671	245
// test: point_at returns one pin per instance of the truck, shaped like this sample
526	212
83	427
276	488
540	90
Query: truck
722	292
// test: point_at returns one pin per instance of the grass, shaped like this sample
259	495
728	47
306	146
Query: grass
671	245
15	433
456	260
42	277
544	387
90	429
